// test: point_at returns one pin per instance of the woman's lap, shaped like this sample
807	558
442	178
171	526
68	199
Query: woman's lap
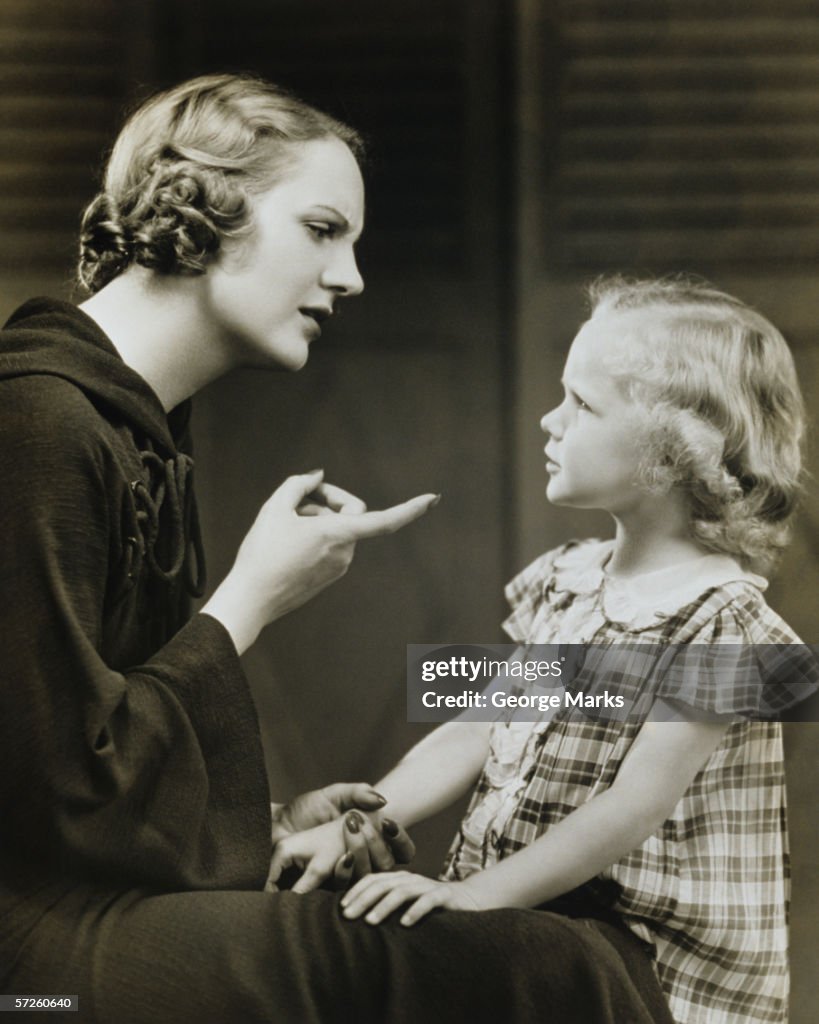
247	957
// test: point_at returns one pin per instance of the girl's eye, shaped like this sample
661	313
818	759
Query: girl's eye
578	401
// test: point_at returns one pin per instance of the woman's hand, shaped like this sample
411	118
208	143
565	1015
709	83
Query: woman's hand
303	540
321	805
373	843
340	851
378	896
309	835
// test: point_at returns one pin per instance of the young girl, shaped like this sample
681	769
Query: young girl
682	418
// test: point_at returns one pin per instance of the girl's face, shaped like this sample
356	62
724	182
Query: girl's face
267	294
593	450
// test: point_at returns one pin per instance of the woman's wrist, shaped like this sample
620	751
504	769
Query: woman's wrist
237	614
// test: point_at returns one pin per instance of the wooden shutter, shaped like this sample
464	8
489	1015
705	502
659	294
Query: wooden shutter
62	82
680	132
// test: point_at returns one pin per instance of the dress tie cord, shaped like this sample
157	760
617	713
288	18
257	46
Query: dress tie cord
172	494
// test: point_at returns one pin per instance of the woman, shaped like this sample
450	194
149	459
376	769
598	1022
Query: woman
134	857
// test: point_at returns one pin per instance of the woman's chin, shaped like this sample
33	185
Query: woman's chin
288	358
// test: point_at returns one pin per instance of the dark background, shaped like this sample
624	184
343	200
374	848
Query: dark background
518	148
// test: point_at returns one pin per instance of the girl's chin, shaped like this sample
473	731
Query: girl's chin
557	495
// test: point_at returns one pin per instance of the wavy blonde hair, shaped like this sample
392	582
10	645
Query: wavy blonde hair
725	417
180	174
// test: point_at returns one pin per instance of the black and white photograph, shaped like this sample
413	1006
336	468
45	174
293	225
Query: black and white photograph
409	589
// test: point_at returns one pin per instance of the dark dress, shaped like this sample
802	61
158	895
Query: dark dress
134	814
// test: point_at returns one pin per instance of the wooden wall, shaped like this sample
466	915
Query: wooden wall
65	72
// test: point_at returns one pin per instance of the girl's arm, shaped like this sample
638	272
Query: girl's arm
659	768
436	771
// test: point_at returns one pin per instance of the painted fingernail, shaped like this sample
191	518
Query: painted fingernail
354	821
382	799
389	828
348	860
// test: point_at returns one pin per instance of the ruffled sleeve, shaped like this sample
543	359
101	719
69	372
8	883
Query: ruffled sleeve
525	593
744	661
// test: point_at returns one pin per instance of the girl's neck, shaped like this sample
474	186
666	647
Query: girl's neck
656	538
158	327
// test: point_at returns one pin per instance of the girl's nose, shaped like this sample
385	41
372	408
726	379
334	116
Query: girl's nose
550	423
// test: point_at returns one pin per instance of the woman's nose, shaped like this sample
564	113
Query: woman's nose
342	275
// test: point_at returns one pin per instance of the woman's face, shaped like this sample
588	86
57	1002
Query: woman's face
269	292
594	451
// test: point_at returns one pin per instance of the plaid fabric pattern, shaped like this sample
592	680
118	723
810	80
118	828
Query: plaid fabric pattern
709	890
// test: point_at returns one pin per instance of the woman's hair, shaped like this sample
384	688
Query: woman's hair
181	171
724	413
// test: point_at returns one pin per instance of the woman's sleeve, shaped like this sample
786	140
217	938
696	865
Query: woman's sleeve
151	776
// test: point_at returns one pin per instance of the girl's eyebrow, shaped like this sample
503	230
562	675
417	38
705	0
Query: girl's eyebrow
575	394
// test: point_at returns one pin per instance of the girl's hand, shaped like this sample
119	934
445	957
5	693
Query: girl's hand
319	853
378	896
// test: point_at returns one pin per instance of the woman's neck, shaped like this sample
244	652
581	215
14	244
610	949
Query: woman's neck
655	536
157	326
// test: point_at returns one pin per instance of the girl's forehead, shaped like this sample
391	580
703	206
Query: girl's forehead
603	351
609	336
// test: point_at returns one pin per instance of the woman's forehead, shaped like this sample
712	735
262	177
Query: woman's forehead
325	173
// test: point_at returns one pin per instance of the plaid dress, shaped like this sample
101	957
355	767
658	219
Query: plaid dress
709	890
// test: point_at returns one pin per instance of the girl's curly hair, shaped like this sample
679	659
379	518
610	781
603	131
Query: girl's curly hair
724	414
181	171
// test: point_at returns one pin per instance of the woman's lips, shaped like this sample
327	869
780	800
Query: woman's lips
315	315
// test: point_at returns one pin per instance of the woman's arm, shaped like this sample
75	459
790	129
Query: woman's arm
148	773
659	768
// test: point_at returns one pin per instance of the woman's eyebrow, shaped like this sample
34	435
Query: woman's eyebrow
336	213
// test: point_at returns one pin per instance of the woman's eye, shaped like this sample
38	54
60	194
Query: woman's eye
321	229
